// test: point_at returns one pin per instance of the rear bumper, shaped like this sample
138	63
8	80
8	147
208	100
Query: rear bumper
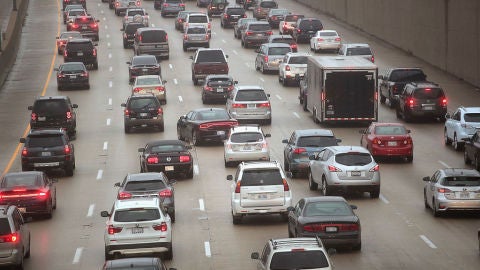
251	116
135	122
337	239
247	156
177	168
398	151
458	205
15	257
261	210
142	248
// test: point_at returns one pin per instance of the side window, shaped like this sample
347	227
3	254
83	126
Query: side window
237	175
17	219
456	116
190	115
321	154
292	139
327	155
435	177
265	253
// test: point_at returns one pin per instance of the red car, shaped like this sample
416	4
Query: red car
388	140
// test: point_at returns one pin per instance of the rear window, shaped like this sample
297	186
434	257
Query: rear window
196	30
45	141
407	75
154	36
148	81
197	19
262	177
20	180
132	28
144	185
283	40
308	259
279	12
472	117
317	141
359	51
135	12
236	11
4	226
251	95
311	24
268	4
211	56
461	181
142	103
220	81
390	130
79	46
246	137
84	20
428	93
50	107
167	148
298	60
72	67
70	35
212	115
136	215
327	209
279	50
259	27
144	61
353	159
75	12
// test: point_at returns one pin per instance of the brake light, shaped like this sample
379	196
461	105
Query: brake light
225	16
287	68
372	59
33	116
338	39
333	169
137	89
184	159
69	115
284	26
160	88
140	38
411	102
24	152
160	227
323	96
274	17
270	33
293	46
84	74
230	88
75	25
67	150
299	30
182	5
443	190
138	3
239	105
377	141
165	4
237	187
126	112
11	238
65	53
208	88
60	75
444	102
320	39
285	185
264	105
124	195
209	25
248	33
94	25
299	150
159	111
117	4
265	58
152	159
375	168
244	16
94	52
408	141
185	37
114	230
166	37
165	193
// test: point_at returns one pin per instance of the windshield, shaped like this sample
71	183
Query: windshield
198	19
141	103
196	30
390	130
72	67
153	36
50	107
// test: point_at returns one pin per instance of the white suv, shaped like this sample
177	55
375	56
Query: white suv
293	253
138	226
246	143
260	188
197	18
462	124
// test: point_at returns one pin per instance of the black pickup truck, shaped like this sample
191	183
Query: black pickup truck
391	83
208	61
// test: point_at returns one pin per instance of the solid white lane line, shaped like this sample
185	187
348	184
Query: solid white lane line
383	199
180	98
196	169
208	253
175	81
279	97
105	146
427	241
201	204
170	66
235	52
296	115
444	164
78	254
99	174
90	210
109	121
110	101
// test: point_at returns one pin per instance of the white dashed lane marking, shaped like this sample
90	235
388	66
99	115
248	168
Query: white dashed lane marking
428	242
208	253
201	205
99	174
90	210
78	254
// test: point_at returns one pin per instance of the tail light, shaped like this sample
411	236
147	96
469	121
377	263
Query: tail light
137	89
94	52
186	25
377	141
68	115
165	4
294	46
264	105
60	75
225	16
165	193
138	3
94	25
333	169
270	33
375	168
237	187
124	195
248	33
185	37
299	31
284	26
75	25
239	105
117	4
67	150
84	74
444	102
160	227
372	59
408	141
208	88
287	68
443	190
33	116
274	18
182	5
299	150
375	96
285	185
159	111
209	26
184	159
323	96
166	37
244	16
140	38
114	230
411	102
230	88
11	238
65	53
320	39
265	58
152	159
338	39
24	152
126	112
160	88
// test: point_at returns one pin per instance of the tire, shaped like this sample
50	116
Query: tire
357	247
179	135
407	117
27	255
125	45
425	203
108	256
195	81
195	140
69	170
185	48
325	189
286	165
284	82
456	144
20	265
59	88
315	119
190	174
305	105
435	211
466	159
409	159
236	219
290	234
227	164
284	216
382	99
126	129
446	140
397	113
161	128
262	69
172	216
374	194
169	253
49	214
312	185
95	66
477	163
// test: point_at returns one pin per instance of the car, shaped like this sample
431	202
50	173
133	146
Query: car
143	65
205	124
64	38
128	35
138	226
197	18
151	263
153	84
302	144
289	23
262	7
344	168
231	16
72	74
325	40
388	140
422	100
241	24
208	61
276	15
67	8
269	56
462	124
472	150
66	3
298	253
147	184
247	4
255	33
392	81
171	7
196	36
306	28
121	6
142	111
203	3
81	50
153	41
180	19
452	189
34	193
357	49
287	39
138	15
54	112
216	7
303	92
15	235
71	14
329	217
47	149
171	157
260	188
87	26
249	103
246	143
217	87
292	68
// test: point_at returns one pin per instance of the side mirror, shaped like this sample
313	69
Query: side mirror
289	174
339	140
141	150
229	177
74	106
117	184
426	179
312	157
353	206
284	141
54	180
22	140
183	117
123	105
30	107
409	131
121	29
268	135
128	62
235	82
255	256
97	20
104	214
448	116
268	95
226	55
290	208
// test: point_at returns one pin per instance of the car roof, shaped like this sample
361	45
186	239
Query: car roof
79	40
259	22
312	132
72	63
357	45
378	124
301	242
208	109
260	164
325	199
137	202
39	173
52	97
249	87
52	131
124	263
143	29
470	109
277	45
146	176
144	56
460	171
338	149
214	76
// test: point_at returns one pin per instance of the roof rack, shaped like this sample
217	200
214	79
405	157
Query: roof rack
279	243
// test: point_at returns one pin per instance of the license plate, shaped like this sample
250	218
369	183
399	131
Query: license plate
144	69
247	148
262	196
137	230
464	195
47	164
22	209
80	53
169	168
84	27
428	108
331	229
42	118
392	143
46	154
73	76
251	105
220	132
356	173
143	114
220	90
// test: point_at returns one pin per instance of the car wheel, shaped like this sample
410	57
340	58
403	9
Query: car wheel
382	99
126	129
87	87
466	159
19	266
161	128
435	211
312	185
195	139
290	234
325	189
305	105
185	48
172	216
27	255
59	87
69	170
227	164
446	140
407	117
374	194
95	66
49	213
179	135
357	247
409	159
236	219
456	144
195	81
190	174
425	203
286	165
284	82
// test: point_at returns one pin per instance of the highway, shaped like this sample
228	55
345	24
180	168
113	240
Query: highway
397	231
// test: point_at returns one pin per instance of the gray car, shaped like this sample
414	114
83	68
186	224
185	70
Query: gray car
256	33
172	7
196	36
250	103
15	235
270	55
240	26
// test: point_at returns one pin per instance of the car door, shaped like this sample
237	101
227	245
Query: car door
453	124
367	137
263	262
289	147
21	228
293	216
316	165
383	83
430	187
260	55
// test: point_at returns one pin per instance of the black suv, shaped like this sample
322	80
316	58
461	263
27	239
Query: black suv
48	149
142	111
54	112
87	25
231	15
15	235
81	50
143	65
306	28
472	150
129	33
422	100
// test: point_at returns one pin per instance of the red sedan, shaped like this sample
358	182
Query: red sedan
388	140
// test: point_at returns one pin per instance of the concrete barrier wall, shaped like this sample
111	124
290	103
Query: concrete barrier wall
11	42
444	33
